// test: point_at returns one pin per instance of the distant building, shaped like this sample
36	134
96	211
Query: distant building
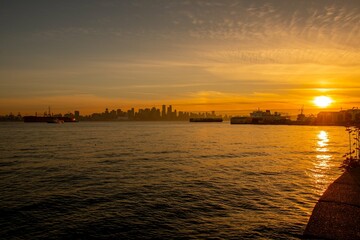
328	118
344	117
169	113
131	114
77	115
163	111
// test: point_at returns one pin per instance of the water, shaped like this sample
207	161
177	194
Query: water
168	180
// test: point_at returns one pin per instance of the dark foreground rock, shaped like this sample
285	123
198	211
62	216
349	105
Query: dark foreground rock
337	213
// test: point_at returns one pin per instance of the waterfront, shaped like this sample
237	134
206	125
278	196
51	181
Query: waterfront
163	179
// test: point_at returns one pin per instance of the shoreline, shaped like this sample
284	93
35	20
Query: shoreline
336	215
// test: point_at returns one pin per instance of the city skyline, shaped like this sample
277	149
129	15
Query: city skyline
197	55
164	111
344	117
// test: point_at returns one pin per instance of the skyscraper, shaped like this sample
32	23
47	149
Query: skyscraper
169	112
163	112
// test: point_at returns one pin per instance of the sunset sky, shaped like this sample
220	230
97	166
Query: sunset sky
196	55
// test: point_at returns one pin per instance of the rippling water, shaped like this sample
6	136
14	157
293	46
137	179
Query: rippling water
165	180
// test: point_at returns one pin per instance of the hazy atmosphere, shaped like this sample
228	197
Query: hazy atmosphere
195	55
180	119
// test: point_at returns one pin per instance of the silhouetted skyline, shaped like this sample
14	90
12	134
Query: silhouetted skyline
167	113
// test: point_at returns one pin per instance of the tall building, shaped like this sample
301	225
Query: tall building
131	113
163	112
169	112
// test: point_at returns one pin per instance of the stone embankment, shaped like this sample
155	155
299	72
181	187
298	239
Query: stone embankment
337	213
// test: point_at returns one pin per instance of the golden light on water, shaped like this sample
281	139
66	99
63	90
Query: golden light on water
322	101
322	149
323	161
323	140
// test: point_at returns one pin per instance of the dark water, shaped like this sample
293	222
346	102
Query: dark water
129	180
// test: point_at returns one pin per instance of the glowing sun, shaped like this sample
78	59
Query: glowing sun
322	101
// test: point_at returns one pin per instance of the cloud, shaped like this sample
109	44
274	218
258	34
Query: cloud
265	95
324	56
277	25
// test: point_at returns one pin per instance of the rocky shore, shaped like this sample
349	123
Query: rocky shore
337	213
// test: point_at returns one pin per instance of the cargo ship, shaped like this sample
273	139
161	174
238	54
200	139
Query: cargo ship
206	119
48	119
261	117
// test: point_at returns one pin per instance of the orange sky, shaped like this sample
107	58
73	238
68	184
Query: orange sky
195	55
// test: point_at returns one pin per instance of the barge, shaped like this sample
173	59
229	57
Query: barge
206	119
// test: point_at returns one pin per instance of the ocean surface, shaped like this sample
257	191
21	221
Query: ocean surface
163	180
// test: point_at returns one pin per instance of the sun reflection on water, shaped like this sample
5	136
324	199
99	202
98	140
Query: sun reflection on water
323	140
322	165
322	148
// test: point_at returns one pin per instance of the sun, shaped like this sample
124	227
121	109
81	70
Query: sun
322	101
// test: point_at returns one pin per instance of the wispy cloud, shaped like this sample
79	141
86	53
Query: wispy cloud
342	57
64	32
278	25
